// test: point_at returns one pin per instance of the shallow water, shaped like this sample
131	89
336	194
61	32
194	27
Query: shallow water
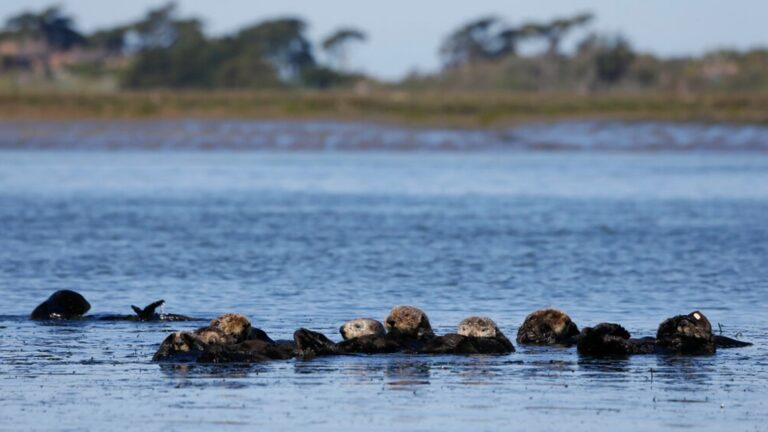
313	239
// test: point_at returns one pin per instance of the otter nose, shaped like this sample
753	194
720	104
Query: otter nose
341	330
391	322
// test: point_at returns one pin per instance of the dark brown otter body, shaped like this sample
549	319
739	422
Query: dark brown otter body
686	334
409	331
148	313
683	334
548	327
228	338
63	304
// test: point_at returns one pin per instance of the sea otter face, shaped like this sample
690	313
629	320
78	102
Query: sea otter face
408	321
691	327
214	336
547	327
361	327
235	325
478	327
178	343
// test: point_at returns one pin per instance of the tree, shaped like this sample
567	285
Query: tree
475	41
555	30
281	42
610	56
51	25
158	28
337	45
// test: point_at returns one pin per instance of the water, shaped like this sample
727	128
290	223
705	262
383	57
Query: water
314	239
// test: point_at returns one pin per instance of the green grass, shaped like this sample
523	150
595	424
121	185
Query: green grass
439	109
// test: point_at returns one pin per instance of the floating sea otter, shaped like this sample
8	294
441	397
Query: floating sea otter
408	330
548	327
67	304
63	304
683	334
227	339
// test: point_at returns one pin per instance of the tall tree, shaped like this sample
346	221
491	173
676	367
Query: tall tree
475	41
282	43
51	25
336	45
555	30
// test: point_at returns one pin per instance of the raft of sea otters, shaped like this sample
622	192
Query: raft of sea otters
230	338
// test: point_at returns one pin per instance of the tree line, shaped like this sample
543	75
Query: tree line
165	50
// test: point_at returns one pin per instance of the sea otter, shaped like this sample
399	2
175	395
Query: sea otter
409	331
67	304
683	334
228	338
612	340
148	313
63	304
548	327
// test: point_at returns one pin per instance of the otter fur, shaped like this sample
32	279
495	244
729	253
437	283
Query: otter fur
548	327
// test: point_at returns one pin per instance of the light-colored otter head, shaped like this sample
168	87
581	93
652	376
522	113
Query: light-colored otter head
361	327
214	336
547	326
476	326
408	321
234	325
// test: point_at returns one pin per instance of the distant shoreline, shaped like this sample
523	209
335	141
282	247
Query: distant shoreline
211	134
445	110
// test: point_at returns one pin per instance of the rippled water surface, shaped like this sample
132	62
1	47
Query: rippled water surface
313	239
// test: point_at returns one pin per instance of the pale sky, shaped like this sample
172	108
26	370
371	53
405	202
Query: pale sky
404	35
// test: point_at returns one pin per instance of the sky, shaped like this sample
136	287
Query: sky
404	35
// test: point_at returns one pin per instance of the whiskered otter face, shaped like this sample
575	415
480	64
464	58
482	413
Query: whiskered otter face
700	321
213	336
177	343
478	327
361	327
408	321
235	325
693	325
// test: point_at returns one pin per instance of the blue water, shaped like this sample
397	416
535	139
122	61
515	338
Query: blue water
313	239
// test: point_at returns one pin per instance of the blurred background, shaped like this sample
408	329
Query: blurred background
647	59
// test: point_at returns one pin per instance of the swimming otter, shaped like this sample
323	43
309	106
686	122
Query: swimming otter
612	340
686	334
683	334
147	314
407	329
408	322
63	304
361	336
484	336
410	332
548	327
230	337
361	327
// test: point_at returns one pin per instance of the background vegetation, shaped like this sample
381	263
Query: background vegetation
165	64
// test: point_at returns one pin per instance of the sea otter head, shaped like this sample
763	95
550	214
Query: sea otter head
547	327
408	321
476	326
687	334
63	304
234	325
361	327
179	343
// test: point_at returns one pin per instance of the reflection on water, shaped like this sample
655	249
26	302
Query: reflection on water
307	240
